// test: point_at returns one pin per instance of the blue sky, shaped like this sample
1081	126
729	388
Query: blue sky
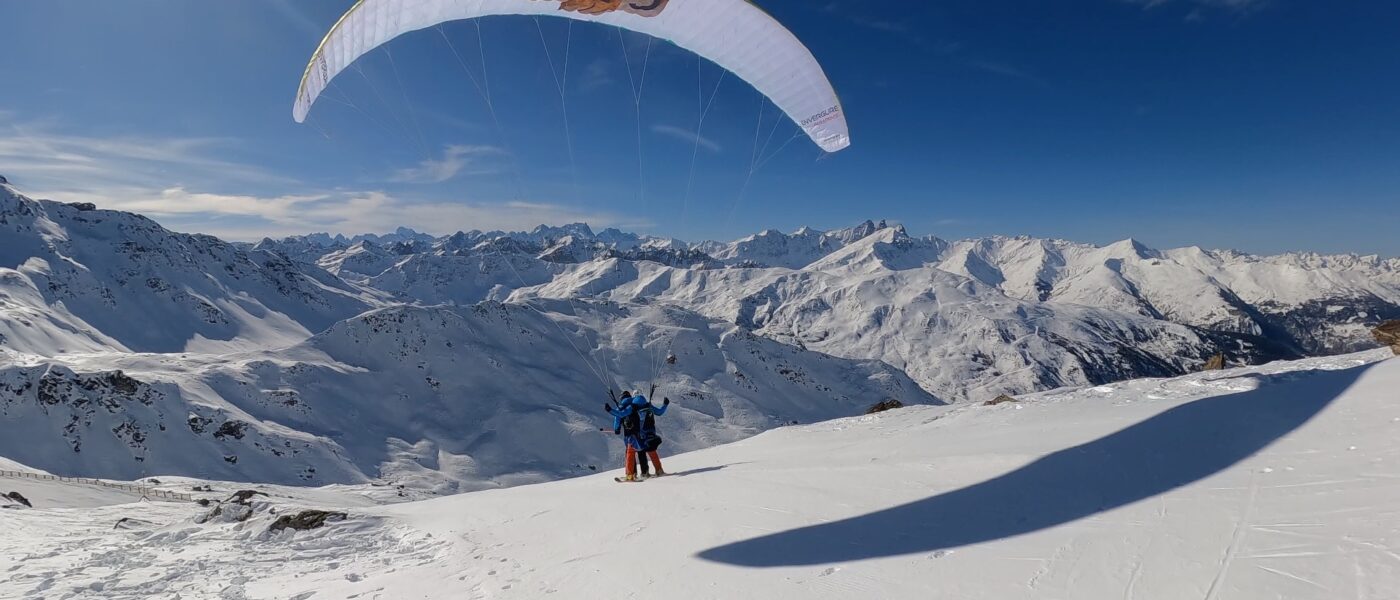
1263	125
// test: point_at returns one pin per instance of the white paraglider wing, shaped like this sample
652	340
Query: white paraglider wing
734	34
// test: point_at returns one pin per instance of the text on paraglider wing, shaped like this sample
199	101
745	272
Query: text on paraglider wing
822	117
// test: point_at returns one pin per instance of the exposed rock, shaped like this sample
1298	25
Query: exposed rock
1389	334
120	382
884	406
1002	399
130	523
237	509
3	180
306	520
1216	363
83	206
244	497
233	429
198	424
15	496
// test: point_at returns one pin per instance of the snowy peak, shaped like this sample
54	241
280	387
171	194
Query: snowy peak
773	248
118	276
888	248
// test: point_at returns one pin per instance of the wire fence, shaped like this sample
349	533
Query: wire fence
146	492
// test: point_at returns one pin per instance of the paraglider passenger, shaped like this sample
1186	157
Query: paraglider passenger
635	420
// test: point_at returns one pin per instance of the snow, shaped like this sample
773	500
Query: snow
411	360
444	399
78	280
1254	483
403	367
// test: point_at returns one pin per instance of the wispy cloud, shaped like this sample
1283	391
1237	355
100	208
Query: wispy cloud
1006	70
597	75
351	212
864	18
456	160
687	136
1235	6
51	158
186	185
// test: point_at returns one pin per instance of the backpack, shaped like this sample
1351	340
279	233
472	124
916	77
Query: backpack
632	423
647	433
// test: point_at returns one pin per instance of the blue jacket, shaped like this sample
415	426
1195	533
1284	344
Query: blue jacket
640	401
630	406
621	412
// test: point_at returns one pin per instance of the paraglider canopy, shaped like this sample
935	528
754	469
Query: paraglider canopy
734	34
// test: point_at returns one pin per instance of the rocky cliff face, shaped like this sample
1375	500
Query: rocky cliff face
1389	334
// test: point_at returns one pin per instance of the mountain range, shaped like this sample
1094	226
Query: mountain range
481	359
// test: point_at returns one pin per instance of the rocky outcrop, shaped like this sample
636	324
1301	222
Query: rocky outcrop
306	520
16	497
237	509
884	406
1389	334
1002	399
1216	363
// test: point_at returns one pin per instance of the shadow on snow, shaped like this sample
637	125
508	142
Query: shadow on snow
1175	448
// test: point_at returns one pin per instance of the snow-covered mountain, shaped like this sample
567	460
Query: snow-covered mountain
441	398
1250	484
419	360
1315	304
958	338
1280	306
77	279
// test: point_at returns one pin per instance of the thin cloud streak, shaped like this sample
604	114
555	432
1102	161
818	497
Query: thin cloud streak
182	182
1236	6
1006	70
456	160
687	136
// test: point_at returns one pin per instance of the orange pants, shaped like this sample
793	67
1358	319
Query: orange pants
632	461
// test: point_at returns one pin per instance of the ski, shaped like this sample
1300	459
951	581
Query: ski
626	480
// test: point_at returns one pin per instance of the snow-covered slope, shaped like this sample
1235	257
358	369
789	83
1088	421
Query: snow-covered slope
966	319
77	279
439	398
137	350
1317	304
959	338
1250	484
1298	303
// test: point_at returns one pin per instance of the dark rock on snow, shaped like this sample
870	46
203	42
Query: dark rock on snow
238	508
1002	399
15	496
244	497
306	520
130	523
1389	334
884	406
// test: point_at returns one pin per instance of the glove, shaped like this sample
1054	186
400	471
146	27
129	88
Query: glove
617	432
607	407
665	401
